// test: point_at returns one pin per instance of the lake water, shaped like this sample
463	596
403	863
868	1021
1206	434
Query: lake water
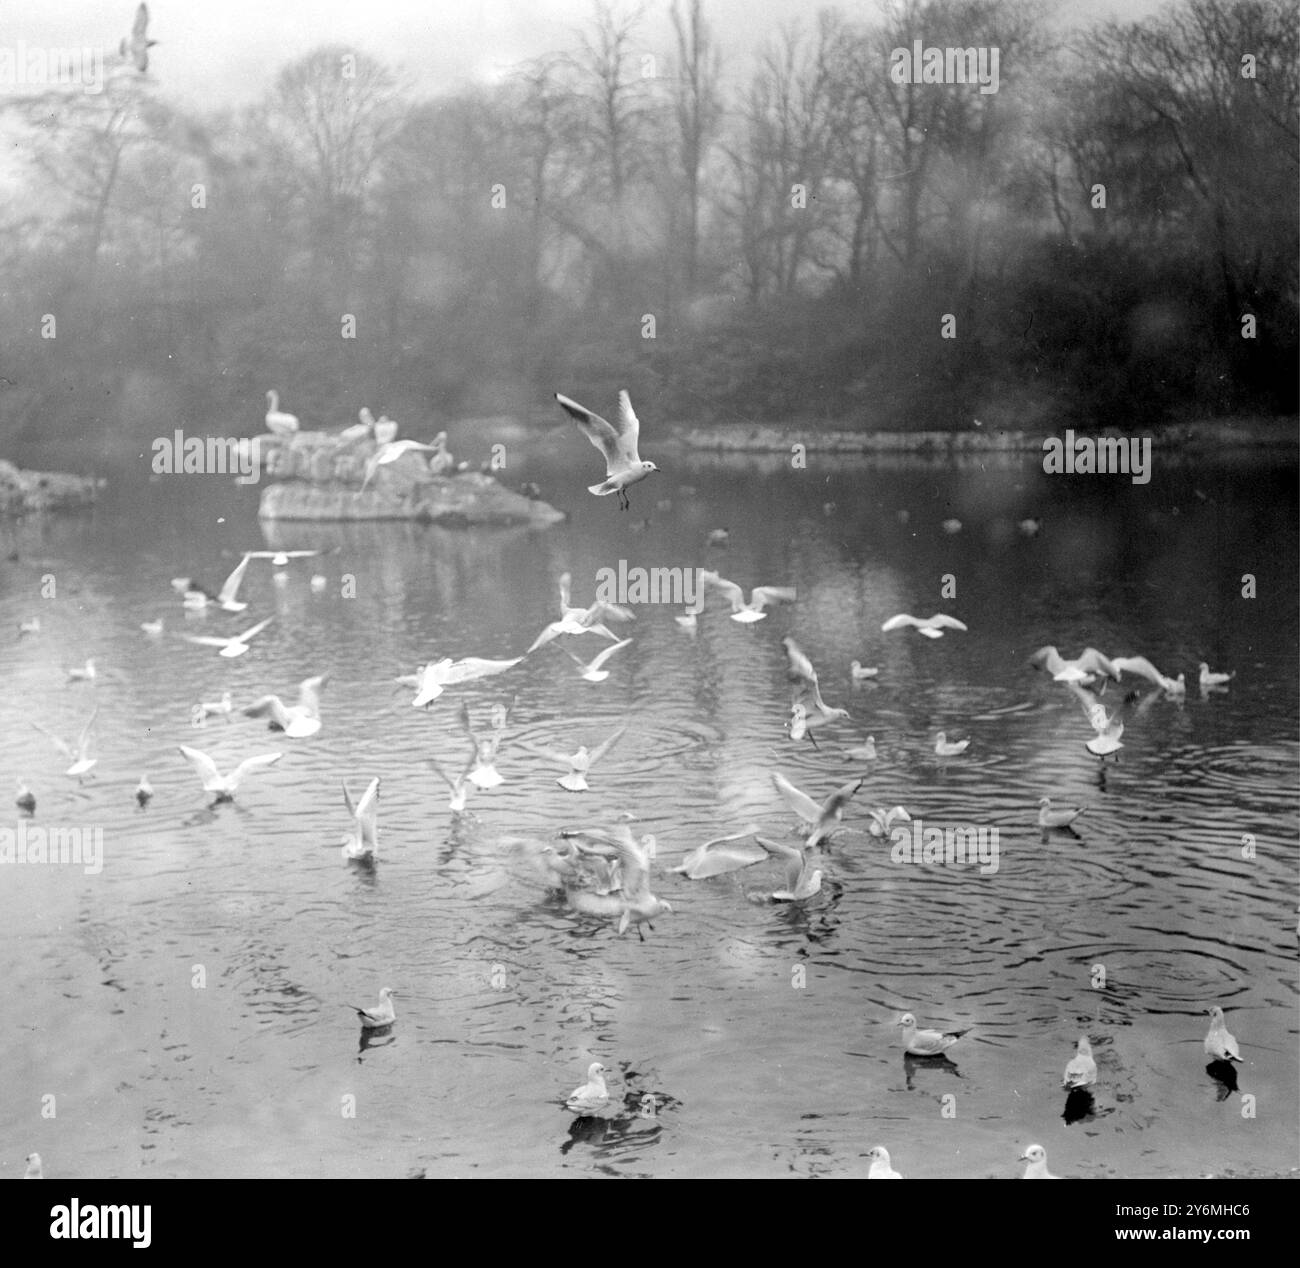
763	1031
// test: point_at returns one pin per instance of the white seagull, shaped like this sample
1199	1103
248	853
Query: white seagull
230	647
81	763
279	558
722	855
389	452
34	1171
1210	679
1144	669
802	879
1108	727
580	762
591	671
381	1015
217	708
860	672
807	708
225	786
759	597
926	1043
277	420
635	904
84	673
225	600
945	748
1049	818
931	626
1086	667
460	786
1219	1044
881	1168
825	818
581	620
623	465
297	721
365	819
1082	1069
483	772
432	678
593	1094
1036	1156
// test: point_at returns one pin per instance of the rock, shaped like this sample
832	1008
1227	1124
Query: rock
44	490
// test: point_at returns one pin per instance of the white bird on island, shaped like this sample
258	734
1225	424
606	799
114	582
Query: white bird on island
135	47
1082	1069
34	1171
82	673
825	818
1219	1044
881	1168
1036	1157
931	626
592	671
389	452
592	1095
297	721
860	673
1049	818
277	420
383	1013
432	678
946	748
230	647
78	756
363	430
759	597
802	879
1208	678
623	464
722	855
579	763
225	786
199	598
364	842
926	1043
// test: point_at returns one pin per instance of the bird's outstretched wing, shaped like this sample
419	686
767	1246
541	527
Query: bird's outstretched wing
230	587
251	764
802	804
601	749
598	430
205	767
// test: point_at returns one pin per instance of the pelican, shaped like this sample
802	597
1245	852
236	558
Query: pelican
759	597
225	786
931	626
623	465
277	420
230	647
297	721
365	822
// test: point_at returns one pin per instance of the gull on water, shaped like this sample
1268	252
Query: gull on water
881	1167
865	752
1209	678
807	708
1108	727
591	671
297	721
931	626
635	904
581	620
593	1094
802	879
1082	1069
859	672
432	678
483	772
759	597
381	1015
217	708
277	420
1085	668
82	673
1219	1044
722	855
387	452
1036	1156
946	748
197	597
32	626
225	786
78	756
1143	668
826	817
460	786
623	465
34	1171
926	1043
280	558
143	790
230	647
364	841
1049	818
882	820
135	47
152	628
579	763
26	799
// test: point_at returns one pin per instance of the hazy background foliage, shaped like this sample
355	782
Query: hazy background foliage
633	188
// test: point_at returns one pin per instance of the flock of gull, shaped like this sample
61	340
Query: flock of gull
605	871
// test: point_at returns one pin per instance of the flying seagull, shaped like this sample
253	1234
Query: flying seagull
235	646
623	465
225	786
931	626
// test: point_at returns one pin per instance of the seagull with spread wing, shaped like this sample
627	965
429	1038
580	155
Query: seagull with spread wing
433	677
365	820
235	646
78	756
930	626
759	597
297	721
197	597
807	708
580	762
623	465
825	818
225	786
581	620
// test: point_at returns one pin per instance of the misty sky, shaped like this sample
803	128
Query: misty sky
225	52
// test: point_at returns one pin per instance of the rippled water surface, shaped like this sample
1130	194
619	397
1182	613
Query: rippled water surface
764	1031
